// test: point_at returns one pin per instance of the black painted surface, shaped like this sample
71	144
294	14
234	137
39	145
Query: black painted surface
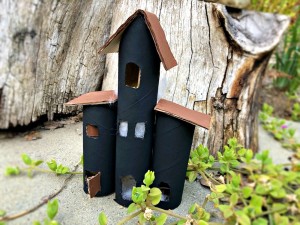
173	142
99	153
133	155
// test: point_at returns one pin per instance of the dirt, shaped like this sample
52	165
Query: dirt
278	99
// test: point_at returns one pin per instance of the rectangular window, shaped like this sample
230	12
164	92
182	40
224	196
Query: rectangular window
92	131
140	130
132	75
123	128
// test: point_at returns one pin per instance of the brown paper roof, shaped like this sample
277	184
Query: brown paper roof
180	112
94	98
158	35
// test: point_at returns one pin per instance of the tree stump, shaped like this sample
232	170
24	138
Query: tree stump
222	54
49	56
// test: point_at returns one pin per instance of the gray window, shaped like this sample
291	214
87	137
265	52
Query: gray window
140	129
123	128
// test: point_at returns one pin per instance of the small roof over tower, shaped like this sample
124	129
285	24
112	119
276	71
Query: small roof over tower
182	113
158	35
94	98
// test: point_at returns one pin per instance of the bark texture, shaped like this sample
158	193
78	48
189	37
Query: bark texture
49	55
221	59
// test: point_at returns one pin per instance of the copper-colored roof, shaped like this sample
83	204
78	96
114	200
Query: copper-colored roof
94	98
185	114
158	35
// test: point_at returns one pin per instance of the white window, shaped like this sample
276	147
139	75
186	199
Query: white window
123	128
140	130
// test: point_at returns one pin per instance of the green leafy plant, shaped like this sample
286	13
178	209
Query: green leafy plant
296	112
288	60
144	204
33	165
52	209
278	128
254	191
288	7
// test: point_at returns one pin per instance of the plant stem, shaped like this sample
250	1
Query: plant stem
269	212
205	177
127	218
211	177
168	212
205	202
46	171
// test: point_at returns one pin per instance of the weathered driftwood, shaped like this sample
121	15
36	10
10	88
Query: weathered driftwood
222	57
49	55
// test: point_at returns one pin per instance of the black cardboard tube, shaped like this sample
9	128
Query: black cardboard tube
173	142
99	152
135	105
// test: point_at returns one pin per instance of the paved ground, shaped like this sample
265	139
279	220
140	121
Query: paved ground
76	208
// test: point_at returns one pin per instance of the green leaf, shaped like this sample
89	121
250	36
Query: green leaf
149	178
247	191
53	222
132	207
81	160
161	219
181	222
201	222
278	193
142	219
52	165
248	155
260	221
242	218
220	188
26	159
36	223
138	196
12	171
192	175
261	189
38	162
279	207
192	208
2	213
102	219
236	180
234	199
226	210
242	152
62	169
155	195
52	208
256	202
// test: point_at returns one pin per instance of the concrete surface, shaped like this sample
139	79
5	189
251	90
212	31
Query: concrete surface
75	207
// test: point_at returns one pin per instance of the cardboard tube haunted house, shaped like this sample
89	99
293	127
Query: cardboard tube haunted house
142	45
119	145
99	138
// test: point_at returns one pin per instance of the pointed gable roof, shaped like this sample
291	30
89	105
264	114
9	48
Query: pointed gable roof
158	35
182	113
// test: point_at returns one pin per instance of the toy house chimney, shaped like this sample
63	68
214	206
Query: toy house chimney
99	136
175	127
142	45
